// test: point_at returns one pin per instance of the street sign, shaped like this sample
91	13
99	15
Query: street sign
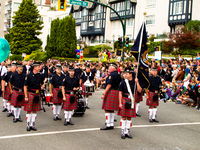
77	2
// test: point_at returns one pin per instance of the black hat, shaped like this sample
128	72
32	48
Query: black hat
65	65
71	68
36	64
154	69
113	64
87	66
58	66
19	65
129	70
14	63
8	65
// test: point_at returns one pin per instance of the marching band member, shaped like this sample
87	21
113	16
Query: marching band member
138	97
65	70
16	85
56	93
2	85
153	95
6	90
111	96
70	84
125	89
84	76
34	81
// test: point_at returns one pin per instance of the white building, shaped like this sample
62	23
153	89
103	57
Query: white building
9	7
97	24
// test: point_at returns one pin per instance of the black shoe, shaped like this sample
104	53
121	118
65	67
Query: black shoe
128	136
19	120
33	128
12	114
70	122
14	120
115	120
87	107
58	118
28	128
154	120
105	128
65	123
123	136
111	127
9	114
4	110
150	120
138	115
55	118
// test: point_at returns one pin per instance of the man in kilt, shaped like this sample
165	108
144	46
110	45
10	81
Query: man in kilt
138	96
56	93
111	96
70	85
65	70
3	85
125	109
84	76
5	88
153	95
16	85
34	81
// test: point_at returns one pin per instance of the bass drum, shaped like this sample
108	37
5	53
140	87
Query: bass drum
80	111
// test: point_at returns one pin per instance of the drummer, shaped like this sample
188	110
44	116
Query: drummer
70	84
56	93
84	76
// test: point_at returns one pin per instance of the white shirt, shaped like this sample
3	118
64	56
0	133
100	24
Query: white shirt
3	71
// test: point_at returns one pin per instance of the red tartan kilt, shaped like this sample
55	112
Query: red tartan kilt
150	101
14	101
55	98
7	94
30	105
138	98
69	106
83	92
126	112
111	100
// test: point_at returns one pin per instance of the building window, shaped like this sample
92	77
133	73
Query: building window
150	3
50	19
178	8
41	18
16	5
150	19
84	25
130	22
98	24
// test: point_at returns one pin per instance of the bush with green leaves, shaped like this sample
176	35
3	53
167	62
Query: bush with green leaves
15	57
38	56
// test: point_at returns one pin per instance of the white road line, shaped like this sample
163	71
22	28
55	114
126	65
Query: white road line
94	129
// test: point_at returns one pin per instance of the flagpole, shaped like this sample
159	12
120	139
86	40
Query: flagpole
132	106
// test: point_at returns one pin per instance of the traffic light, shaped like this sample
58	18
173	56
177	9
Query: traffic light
62	5
120	42
157	48
127	42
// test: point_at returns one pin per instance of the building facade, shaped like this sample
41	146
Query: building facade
98	24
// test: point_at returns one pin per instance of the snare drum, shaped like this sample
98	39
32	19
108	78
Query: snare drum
89	87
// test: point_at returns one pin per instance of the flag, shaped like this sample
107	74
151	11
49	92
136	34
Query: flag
143	70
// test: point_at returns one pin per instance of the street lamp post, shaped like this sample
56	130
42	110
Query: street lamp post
123	24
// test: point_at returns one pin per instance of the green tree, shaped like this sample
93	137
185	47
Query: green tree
27	25
52	44
193	25
62	40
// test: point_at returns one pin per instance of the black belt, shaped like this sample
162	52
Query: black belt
113	88
33	91
125	95
19	90
58	87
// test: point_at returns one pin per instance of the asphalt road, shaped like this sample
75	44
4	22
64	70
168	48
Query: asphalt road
179	129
